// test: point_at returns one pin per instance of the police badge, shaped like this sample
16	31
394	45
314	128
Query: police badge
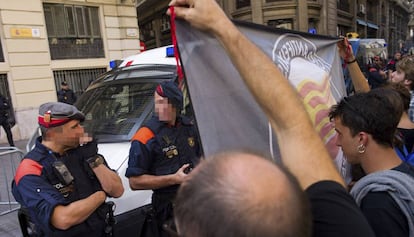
191	141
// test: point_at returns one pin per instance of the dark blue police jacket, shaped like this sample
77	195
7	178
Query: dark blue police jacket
38	188
160	149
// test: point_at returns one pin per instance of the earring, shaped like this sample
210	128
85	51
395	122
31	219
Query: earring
361	149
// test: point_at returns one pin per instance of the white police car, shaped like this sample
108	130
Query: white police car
115	105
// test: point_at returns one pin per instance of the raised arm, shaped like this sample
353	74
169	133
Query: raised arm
358	79
311	162
110	181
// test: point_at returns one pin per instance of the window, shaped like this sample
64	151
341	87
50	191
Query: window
4	90
147	31
281	23
115	109
73	31
242	3
78	80
343	5
165	23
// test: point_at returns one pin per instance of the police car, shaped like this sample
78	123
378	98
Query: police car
115	105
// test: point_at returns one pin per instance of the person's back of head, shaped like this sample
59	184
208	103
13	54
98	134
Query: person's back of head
241	194
372	113
402	91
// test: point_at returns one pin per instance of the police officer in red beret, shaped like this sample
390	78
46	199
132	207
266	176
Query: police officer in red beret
163	151
64	185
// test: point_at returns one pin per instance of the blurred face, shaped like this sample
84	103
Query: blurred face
397	76
347	142
69	134
166	111
397	56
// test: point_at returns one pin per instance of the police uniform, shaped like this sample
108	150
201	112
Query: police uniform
45	179
66	95
159	148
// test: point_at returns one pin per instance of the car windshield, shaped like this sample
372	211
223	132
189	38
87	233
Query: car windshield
118	102
115	110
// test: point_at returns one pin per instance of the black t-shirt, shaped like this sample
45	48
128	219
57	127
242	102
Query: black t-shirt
335	212
408	137
383	213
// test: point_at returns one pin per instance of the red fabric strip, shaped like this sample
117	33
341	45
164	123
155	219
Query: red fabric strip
174	42
53	122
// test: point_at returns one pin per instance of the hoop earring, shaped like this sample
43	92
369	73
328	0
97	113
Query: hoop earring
361	149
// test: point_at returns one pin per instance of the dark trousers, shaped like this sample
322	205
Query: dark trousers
7	129
163	207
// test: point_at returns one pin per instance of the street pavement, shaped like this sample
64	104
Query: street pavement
9	225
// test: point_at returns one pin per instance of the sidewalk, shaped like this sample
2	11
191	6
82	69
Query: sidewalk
19	144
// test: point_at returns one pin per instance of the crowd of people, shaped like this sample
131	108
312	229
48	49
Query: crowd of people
63	182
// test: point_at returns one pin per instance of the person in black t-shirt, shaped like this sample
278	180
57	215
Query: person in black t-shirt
334	212
366	124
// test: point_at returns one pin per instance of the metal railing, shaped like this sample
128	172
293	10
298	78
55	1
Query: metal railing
10	158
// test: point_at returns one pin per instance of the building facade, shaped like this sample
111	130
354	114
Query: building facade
387	19
45	42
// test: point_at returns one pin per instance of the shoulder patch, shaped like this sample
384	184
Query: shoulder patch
143	135
27	167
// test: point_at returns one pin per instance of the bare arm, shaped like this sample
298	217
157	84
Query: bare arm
358	79
311	163
64	217
147	181
110	181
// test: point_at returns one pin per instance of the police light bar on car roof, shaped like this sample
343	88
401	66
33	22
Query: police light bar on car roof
114	63
170	51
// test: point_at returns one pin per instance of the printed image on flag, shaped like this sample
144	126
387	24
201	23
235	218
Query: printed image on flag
227	115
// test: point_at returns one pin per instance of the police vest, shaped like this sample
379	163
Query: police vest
84	184
171	147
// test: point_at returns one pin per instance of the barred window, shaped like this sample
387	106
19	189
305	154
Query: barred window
78	80
73	31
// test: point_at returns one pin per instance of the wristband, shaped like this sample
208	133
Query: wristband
352	61
95	161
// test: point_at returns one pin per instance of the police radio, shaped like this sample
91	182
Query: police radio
62	172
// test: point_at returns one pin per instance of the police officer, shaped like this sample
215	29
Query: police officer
65	94
64	185
4	119
163	151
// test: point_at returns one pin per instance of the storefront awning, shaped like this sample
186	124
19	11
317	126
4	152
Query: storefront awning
372	26
361	22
